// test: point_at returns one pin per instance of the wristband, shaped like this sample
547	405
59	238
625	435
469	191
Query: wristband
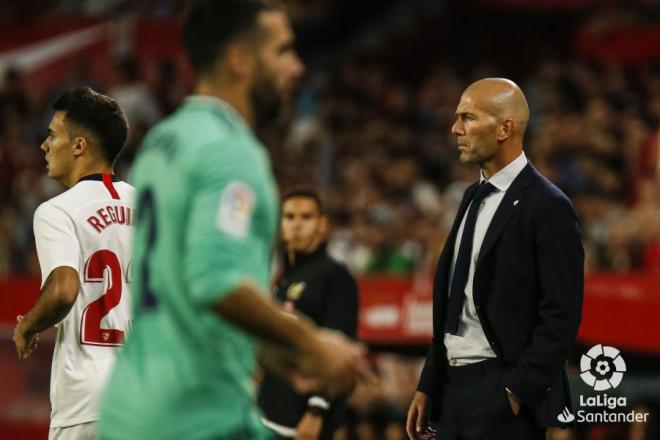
317	405
318	401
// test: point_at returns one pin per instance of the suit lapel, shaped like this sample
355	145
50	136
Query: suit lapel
467	197
444	262
513	198
448	249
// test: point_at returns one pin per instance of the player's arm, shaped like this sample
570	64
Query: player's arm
59	254
258	314
224	258
57	296
293	342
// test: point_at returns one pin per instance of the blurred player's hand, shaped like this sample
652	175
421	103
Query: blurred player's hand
417	425
25	343
338	362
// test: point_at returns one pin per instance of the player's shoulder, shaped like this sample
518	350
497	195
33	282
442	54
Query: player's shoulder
200	127
65	201
198	143
86	192
50	210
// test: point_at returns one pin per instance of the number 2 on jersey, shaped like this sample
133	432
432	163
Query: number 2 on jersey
91	332
147	215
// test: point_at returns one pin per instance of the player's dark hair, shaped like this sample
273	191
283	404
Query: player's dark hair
98	114
308	193
212	24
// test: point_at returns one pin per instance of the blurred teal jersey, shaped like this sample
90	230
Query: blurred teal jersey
207	211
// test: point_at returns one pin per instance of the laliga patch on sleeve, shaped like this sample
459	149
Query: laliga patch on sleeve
236	207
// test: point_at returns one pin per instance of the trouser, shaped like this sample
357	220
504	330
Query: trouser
475	406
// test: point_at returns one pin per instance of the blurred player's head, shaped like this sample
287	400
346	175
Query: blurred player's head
87	131
304	224
491	119
246	46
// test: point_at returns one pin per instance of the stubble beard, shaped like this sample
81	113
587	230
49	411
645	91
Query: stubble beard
266	102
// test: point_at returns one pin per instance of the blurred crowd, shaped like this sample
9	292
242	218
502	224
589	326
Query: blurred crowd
394	182
383	154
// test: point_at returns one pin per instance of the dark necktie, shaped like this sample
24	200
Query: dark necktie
462	266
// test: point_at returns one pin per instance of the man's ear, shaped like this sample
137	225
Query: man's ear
80	146
505	130
240	60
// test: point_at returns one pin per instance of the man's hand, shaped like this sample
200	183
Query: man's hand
417	423
513	402
309	427
25	342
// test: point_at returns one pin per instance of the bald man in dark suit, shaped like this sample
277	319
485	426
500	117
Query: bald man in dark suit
508	288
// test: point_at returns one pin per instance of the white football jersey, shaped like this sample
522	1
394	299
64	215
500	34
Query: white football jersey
88	228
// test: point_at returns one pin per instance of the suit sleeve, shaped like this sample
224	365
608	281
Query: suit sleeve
220	248
427	380
560	266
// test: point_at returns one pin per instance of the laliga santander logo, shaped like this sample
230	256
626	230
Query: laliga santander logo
602	367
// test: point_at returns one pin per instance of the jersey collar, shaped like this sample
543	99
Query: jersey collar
98	177
215	103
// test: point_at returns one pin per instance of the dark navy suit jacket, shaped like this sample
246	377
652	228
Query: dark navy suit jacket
527	290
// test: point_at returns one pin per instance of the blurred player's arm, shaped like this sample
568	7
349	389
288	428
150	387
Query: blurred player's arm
247	308
222	252
57	297
294	341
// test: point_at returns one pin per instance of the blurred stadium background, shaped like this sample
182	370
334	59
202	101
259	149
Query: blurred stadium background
371	128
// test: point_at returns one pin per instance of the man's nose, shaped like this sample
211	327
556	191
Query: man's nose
457	129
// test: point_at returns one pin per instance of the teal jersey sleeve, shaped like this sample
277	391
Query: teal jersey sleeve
220	243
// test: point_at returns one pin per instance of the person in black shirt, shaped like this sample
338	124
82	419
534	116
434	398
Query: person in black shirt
314	284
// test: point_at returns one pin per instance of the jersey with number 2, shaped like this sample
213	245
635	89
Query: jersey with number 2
87	228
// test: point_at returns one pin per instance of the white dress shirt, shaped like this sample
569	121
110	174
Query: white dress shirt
470	345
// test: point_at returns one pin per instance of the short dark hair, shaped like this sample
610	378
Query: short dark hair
308	193
100	115
212	24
